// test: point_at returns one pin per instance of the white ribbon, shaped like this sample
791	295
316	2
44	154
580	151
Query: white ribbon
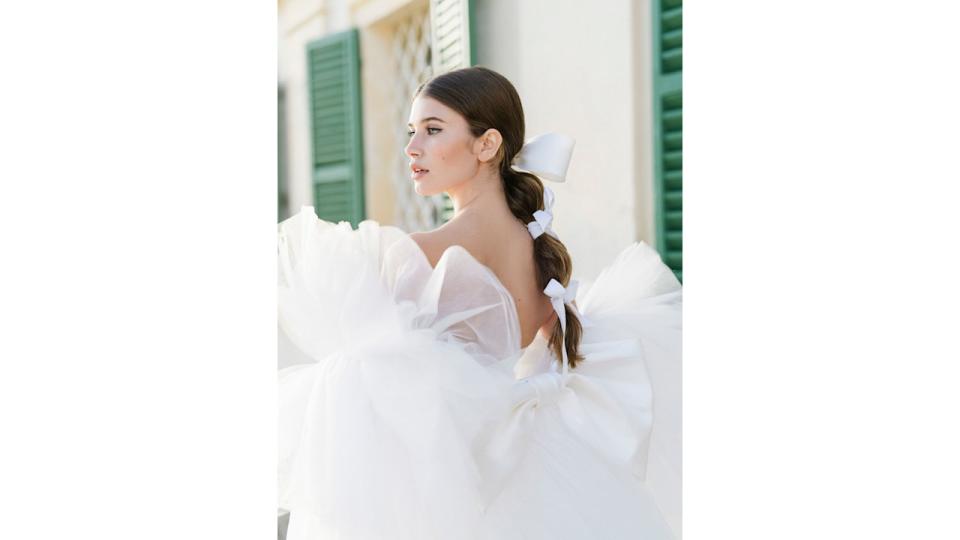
542	219
558	297
546	156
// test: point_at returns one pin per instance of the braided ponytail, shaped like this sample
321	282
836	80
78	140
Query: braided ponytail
524	193
486	99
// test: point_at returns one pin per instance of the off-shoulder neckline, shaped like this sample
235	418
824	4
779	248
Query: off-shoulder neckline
485	268
518	345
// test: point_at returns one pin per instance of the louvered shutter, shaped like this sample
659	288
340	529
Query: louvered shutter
334	68
451	25
668	129
282	196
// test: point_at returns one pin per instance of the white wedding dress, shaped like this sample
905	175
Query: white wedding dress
420	417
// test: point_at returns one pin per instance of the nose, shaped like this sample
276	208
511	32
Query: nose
412	149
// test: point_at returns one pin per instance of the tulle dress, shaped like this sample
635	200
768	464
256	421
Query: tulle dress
418	415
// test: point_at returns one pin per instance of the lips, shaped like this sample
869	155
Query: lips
417	171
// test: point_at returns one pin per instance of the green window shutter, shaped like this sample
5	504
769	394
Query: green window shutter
282	197
336	124
668	129
452	24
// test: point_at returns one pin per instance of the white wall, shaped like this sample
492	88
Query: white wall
643	158
299	22
577	73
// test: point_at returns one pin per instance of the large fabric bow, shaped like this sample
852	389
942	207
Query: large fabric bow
560	295
542	219
605	404
546	156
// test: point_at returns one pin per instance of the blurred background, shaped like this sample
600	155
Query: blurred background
608	73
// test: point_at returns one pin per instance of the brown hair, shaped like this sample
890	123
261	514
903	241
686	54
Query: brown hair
487	100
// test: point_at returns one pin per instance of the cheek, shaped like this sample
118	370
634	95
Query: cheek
452	163
445	161
454	157
443	153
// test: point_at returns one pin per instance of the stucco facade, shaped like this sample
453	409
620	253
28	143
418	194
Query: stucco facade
584	70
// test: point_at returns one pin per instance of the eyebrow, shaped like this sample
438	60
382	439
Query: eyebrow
430	118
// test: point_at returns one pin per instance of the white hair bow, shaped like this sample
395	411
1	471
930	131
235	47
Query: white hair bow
542	219
546	156
560	295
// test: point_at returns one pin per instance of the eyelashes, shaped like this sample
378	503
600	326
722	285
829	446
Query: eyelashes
429	129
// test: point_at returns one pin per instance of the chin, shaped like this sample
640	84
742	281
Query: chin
425	189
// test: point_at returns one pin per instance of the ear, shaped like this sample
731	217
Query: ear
488	145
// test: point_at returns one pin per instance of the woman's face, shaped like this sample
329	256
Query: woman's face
441	144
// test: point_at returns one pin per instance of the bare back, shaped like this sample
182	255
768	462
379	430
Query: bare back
505	247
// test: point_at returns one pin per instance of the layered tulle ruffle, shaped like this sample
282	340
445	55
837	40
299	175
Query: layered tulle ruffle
419	416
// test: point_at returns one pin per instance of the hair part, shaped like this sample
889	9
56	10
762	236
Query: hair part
488	100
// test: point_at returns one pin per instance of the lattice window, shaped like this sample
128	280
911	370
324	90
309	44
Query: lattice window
412	55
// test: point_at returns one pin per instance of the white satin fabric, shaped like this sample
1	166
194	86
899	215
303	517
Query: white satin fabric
418	415
543	219
547	156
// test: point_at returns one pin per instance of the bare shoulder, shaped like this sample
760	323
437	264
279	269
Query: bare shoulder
430	244
434	243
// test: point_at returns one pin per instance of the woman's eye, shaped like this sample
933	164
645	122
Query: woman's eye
429	130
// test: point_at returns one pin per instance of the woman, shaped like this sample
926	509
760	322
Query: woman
456	390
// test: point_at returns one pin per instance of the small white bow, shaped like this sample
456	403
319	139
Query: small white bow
542	219
560	295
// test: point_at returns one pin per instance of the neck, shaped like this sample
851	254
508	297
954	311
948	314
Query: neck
483	193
